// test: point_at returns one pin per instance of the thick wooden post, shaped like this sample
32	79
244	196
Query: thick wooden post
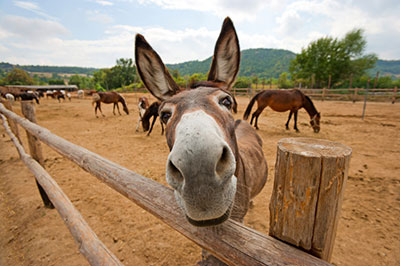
35	148
309	183
394	95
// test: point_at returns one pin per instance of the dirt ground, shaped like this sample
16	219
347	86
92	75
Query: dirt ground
368	231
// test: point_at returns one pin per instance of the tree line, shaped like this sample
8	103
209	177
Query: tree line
326	62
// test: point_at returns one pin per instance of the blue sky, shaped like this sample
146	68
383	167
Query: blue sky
94	33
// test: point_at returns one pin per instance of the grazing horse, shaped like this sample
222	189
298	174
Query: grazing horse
152	111
216	165
80	94
282	101
143	104
25	96
109	97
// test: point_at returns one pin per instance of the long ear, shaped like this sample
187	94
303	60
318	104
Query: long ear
152	71
226	60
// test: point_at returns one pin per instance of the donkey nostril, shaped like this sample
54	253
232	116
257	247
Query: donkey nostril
223	163
174	173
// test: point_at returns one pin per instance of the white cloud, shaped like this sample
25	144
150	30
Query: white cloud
237	9
33	7
103	2
30	29
98	16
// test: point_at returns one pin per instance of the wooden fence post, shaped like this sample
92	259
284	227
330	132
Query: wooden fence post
323	93
13	125
394	95
310	179
365	100
35	148
355	95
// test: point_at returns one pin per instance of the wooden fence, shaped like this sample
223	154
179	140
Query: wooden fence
354	94
231	242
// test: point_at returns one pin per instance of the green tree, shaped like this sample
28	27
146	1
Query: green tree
242	82
283	81
329	56
56	82
18	77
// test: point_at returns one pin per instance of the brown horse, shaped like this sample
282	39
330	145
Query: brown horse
152	111
109	97
216	164
282	101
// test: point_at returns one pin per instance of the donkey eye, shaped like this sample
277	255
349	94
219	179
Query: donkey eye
227	102
164	116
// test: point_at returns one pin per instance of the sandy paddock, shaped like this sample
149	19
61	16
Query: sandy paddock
368	231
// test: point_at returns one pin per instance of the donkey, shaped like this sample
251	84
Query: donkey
216	165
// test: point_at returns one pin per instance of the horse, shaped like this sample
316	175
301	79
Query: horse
68	96
216	165
80	94
28	96
143	104
152	111
9	97
282	101
109	97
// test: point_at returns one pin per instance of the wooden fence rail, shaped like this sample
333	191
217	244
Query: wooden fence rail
231	242
89	244
353	94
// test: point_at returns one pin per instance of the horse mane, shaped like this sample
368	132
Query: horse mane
122	99
309	106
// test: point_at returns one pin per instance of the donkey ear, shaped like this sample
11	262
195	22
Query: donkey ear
226	60
152	71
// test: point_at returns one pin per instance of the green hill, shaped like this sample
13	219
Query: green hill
386	68
49	69
263	63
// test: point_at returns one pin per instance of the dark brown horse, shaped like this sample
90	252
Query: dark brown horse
152	111
109	97
282	101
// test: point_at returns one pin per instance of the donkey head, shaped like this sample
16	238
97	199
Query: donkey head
200	129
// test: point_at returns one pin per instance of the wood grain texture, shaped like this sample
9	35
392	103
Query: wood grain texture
35	148
309	184
231	242
90	246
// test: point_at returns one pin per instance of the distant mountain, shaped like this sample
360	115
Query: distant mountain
49	69
386	68
263	63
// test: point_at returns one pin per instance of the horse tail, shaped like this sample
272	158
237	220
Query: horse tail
95	98
249	106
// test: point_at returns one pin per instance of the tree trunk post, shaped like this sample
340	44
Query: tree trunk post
310	179
329	81
35	148
394	95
